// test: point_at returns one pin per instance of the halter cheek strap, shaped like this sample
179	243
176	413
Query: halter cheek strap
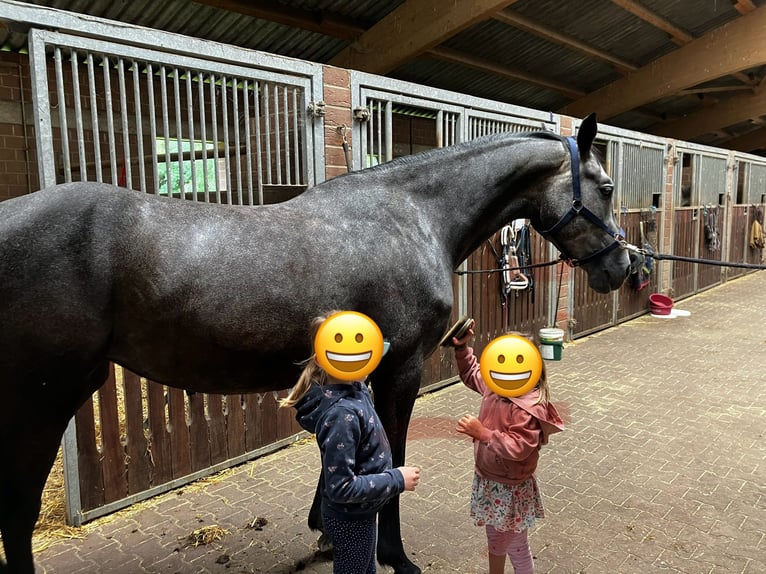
578	208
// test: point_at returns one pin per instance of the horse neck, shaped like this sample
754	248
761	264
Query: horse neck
464	194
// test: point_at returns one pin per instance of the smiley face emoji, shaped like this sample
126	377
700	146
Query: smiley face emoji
511	365
348	345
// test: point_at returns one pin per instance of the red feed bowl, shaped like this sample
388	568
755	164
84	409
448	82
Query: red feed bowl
660	304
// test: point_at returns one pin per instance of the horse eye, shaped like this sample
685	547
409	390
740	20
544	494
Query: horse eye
607	189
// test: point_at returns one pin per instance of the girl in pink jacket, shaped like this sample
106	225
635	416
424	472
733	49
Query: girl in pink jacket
507	437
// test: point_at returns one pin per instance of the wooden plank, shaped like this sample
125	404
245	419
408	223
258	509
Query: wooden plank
88	458
136	443
179	433
268	418
198	433
159	443
112	450
252	423
217	425
235	426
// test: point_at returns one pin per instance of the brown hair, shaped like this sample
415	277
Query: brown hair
311	369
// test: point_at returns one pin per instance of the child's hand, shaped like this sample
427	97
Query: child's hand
471	426
463	341
411	476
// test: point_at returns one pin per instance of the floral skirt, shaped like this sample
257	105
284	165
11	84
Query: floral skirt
506	507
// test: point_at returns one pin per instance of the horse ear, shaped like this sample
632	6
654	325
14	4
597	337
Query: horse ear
586	134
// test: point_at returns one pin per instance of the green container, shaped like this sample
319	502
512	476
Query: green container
551	350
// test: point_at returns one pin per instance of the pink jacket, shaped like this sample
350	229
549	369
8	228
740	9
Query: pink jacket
515	428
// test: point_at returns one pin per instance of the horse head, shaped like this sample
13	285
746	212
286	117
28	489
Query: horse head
581	222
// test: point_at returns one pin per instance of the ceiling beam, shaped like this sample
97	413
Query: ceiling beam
410	30
523	23
678	35
483	65
314	21
749	142
735	46
734	110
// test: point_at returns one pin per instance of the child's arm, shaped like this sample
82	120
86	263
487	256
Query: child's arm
468	366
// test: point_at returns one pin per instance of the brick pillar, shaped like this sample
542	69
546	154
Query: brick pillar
562	316
337	98
667	214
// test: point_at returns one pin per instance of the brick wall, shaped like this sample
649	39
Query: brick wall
18	163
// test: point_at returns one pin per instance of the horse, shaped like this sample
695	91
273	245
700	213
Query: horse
93	273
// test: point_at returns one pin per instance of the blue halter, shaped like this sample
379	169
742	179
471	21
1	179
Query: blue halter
579	209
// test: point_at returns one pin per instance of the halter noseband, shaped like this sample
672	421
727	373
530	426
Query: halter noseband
579	209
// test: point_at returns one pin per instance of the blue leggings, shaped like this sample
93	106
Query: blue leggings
353	545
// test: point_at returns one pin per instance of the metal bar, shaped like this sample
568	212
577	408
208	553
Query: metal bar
110	118
192	143
203	128
286	108
179	136
267	130
248	142
71	475
139	126
38	71
152	127
258	145
277	137
61	99
166	128
235	124
226	153
94	117
214	120
125	129
76	95
299	179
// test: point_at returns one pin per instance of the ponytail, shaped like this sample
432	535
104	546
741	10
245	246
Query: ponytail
311	369
311	372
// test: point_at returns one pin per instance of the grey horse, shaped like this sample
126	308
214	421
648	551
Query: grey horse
219	299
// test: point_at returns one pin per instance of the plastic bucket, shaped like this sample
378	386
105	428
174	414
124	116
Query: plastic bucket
551	343
660	304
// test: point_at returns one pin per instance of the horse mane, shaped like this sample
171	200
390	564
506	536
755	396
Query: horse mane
489	138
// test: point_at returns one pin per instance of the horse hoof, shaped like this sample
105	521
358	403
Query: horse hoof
325	543
402	566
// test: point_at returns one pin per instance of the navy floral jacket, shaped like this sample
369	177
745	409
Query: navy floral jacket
357	477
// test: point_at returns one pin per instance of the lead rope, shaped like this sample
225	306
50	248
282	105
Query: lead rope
558	297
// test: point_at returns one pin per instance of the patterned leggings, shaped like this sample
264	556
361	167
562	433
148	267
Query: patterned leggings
353	545
515	545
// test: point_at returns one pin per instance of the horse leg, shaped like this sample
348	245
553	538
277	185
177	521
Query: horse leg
28	456
315	518
395	396
29	443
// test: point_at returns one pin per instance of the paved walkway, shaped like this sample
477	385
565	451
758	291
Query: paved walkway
662	469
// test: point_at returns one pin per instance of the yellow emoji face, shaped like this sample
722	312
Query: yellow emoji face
511	365
348	345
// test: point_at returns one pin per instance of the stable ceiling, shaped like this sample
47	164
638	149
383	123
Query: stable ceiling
690	69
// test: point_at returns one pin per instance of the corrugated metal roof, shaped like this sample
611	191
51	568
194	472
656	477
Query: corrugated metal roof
600	24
